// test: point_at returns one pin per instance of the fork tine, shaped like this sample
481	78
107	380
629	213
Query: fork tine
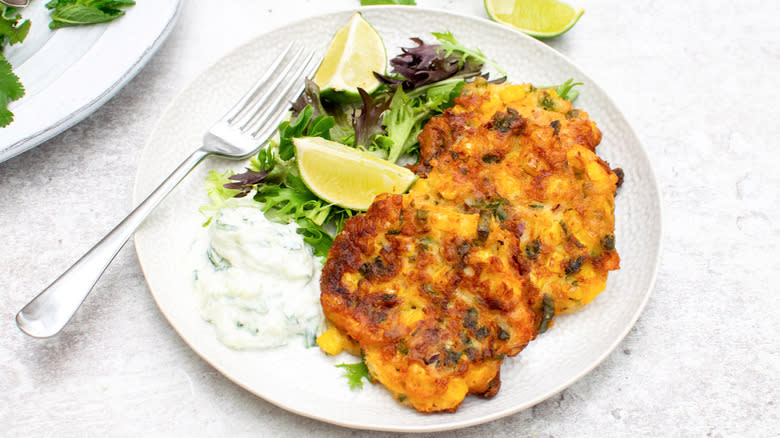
269	90
291	77
265	129
236	110
290	92
267	122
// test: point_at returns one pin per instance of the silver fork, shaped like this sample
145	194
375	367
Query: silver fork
239	134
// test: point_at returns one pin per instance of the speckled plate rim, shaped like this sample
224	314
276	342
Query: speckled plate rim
449	422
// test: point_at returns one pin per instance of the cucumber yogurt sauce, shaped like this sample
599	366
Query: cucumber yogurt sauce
256	281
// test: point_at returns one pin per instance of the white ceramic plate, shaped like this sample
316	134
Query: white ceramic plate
306	381
71	72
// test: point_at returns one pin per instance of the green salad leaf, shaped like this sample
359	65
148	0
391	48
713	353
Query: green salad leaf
303	126
215	187
284	203
408	114
67	13
450	45
315	236
355	373
399	121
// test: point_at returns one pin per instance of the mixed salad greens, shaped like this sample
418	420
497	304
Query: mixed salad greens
64	13
425	80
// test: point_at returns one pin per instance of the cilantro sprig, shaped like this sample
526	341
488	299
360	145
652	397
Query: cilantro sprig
10	89
355	373
12	31
566	90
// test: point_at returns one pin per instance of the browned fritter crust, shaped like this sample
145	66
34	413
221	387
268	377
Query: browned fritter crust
435	298
529	154
513	215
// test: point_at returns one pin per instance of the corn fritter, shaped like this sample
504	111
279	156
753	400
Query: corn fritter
510	223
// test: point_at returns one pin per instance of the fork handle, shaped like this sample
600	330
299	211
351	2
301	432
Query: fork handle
48	312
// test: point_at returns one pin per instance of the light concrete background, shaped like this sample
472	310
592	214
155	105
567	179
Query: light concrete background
697	79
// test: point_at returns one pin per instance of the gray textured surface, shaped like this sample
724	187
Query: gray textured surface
694	79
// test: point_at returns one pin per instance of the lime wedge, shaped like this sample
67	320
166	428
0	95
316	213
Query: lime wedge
347	177
354	53
538	18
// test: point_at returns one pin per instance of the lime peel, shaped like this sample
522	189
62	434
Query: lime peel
354	53
538	18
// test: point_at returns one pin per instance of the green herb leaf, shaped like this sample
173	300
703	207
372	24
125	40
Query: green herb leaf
355	373
565	90
10	89
11	31
387	2
67	13
75	14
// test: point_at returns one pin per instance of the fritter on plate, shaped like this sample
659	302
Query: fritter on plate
434	297
529	156
511	221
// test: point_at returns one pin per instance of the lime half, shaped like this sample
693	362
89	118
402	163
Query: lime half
354	53
538	18
347	177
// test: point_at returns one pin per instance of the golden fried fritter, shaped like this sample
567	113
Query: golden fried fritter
511	222
527	155
435	298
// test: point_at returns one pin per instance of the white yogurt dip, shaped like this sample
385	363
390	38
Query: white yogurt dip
256	281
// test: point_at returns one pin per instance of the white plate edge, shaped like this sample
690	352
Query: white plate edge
499	414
